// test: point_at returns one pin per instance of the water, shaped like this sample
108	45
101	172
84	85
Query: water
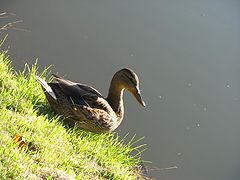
186	54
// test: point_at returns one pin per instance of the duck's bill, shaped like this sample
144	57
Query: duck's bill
139	98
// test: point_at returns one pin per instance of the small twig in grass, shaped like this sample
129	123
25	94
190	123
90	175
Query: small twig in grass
3	15
161	169
11	25
6	15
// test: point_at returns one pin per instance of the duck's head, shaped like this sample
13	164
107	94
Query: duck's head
129	80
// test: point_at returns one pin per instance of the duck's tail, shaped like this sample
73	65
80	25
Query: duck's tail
47	88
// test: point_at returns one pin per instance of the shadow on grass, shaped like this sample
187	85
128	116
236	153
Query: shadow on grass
45	109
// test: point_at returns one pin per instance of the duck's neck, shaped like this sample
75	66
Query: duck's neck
115	98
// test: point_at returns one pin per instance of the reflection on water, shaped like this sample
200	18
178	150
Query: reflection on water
186	54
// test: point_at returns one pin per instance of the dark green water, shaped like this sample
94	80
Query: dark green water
186	53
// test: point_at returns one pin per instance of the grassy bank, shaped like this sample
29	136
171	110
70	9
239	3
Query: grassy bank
48	150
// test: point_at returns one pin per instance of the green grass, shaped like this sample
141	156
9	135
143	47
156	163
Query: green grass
56	152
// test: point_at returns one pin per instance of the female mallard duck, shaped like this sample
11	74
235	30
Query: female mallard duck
86	107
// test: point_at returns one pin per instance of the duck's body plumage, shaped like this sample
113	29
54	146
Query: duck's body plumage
85	106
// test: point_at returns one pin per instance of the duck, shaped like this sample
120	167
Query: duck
86	107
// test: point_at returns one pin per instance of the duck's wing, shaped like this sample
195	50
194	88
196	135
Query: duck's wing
81	94
75	89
